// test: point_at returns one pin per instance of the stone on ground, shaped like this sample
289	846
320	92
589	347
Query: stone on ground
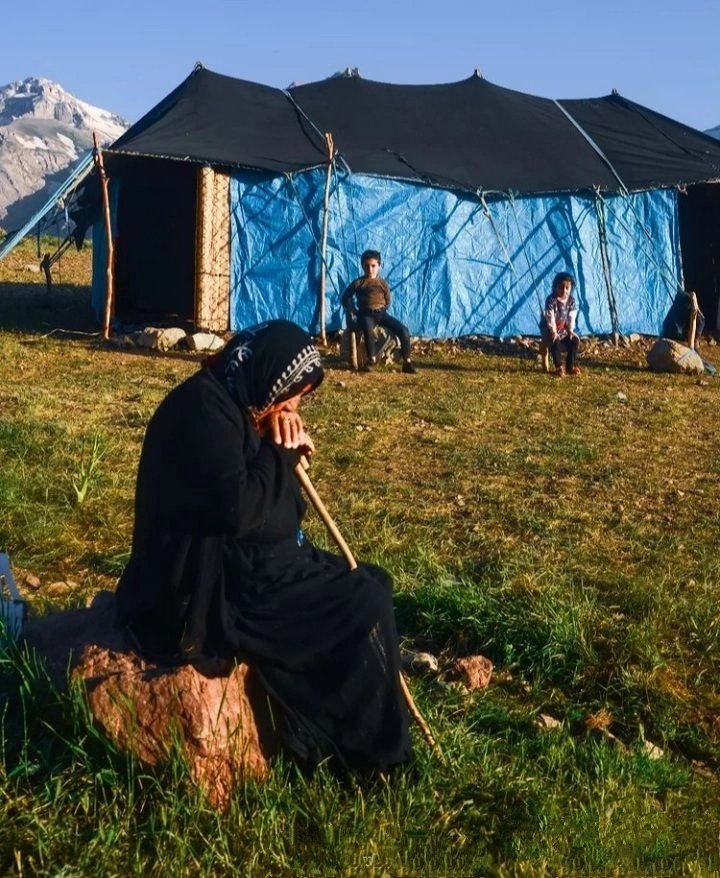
667	355
220	723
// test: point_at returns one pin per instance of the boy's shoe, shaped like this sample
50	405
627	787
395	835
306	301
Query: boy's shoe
408	368
559	372
576	370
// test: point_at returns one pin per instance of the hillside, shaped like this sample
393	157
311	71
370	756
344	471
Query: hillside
44	131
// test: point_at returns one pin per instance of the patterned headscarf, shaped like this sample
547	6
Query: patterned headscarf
267	363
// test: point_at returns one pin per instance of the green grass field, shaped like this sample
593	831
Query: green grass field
568	530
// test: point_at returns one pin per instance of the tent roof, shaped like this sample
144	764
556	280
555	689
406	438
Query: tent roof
221	120
646	148
468	135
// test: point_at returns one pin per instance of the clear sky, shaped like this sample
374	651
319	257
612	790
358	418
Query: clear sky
125	56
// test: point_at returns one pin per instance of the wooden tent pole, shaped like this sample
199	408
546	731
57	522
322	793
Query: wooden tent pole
323	243
109	278
692	329
314	497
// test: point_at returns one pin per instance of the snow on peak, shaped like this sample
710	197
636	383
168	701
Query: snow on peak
44	130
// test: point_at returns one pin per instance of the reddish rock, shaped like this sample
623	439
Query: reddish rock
475	671
219	721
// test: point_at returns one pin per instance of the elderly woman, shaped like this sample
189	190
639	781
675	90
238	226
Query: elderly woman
220	568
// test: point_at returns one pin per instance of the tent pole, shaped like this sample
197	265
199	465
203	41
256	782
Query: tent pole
323	244
605	259
694	311
109	279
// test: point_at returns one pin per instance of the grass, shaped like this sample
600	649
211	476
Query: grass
567	530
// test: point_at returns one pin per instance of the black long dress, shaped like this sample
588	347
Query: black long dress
219	568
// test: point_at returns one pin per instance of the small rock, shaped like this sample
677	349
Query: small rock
545	721
475	671
340	384
57	589
158	339
652	751
601	719
621	396
204	341
31	581
420	662
701	383
33	269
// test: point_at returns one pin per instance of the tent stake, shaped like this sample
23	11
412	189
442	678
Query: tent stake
109	279
309	488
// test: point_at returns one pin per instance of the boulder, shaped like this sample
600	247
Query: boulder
216	716
204	341
159	339
667	355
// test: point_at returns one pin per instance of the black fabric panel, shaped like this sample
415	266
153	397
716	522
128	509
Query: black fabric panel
466	135
227	121
647	149
155	248
470	134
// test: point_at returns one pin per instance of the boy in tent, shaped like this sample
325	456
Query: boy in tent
557	325
366	300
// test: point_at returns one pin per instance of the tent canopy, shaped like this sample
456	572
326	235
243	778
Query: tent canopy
220	120
469	135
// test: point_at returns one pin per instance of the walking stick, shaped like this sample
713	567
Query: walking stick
314	497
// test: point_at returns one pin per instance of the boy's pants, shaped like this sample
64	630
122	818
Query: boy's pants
368	320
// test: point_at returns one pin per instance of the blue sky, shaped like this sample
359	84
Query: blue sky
125	56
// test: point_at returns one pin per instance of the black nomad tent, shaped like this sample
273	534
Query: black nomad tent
233	202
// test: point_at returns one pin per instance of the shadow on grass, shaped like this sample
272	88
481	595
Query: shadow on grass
30	309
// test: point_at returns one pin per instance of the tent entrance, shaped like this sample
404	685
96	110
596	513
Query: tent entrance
699	213
155	248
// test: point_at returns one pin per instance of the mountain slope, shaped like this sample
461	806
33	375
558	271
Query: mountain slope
44	131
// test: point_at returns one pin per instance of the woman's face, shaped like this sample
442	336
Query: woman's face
288	405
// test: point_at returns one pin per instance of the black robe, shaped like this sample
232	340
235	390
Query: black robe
219	567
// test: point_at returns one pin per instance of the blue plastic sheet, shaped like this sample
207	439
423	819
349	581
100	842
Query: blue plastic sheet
455	266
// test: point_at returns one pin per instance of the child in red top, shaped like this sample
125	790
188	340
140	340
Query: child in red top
557	324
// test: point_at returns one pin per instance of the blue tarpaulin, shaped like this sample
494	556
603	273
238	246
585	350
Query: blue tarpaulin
455	265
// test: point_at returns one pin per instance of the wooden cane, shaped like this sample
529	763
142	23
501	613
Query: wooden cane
314	497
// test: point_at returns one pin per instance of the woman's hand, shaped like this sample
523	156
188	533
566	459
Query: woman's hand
287	429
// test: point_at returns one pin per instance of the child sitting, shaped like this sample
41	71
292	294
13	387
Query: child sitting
557	324
366	300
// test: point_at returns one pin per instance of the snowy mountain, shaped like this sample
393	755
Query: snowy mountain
44	131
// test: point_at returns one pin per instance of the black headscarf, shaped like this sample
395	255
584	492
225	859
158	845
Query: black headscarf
267	363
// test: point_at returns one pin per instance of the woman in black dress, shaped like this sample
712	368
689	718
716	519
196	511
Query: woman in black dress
220	568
